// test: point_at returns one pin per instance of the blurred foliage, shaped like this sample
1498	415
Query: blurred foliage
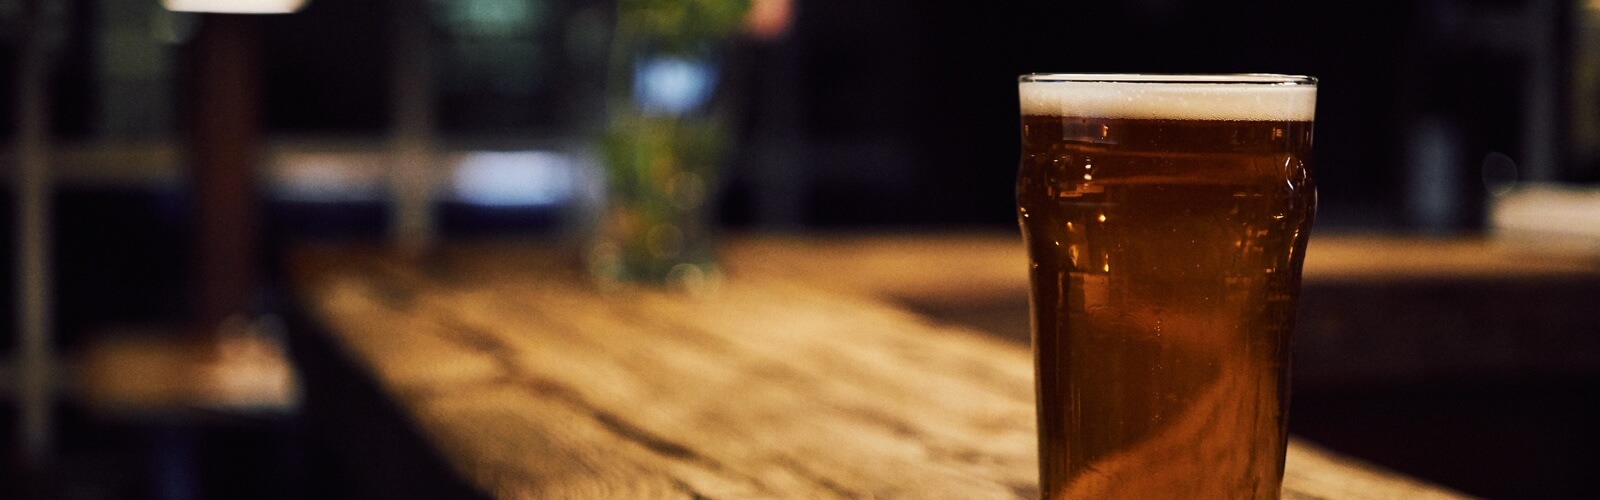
680	26
659	173
661	165
645	154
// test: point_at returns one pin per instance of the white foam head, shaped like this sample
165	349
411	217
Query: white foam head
1170	97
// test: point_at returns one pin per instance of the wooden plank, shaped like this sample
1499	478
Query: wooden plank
948	267
1392	259
1374	309
963	267
533	383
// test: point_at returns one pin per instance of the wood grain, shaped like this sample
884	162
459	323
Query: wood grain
535	384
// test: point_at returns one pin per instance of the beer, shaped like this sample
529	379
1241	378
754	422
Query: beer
1166	221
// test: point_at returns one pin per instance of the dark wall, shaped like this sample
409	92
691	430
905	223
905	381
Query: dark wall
894	113
938	79
903	112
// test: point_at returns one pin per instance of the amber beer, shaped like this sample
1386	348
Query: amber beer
1166	220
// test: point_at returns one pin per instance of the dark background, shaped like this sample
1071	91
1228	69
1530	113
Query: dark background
903	112
891	115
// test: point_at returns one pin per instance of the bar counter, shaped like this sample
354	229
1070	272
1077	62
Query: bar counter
803	374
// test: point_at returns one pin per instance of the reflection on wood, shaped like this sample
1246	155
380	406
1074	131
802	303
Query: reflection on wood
534	384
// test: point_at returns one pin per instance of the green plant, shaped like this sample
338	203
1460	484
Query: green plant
680	26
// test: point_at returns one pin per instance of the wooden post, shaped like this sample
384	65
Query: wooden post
34	304
224	149
1543	158
412	176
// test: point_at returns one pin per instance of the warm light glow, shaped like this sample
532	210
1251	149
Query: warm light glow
325	177
1102	217
769	19
235	6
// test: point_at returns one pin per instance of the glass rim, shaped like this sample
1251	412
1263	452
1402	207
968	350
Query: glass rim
1172	78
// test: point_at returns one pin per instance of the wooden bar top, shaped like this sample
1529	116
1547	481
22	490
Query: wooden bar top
794	378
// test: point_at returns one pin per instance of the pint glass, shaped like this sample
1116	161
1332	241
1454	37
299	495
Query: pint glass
1166	219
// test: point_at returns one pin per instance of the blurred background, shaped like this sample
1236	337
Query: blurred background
1436	118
